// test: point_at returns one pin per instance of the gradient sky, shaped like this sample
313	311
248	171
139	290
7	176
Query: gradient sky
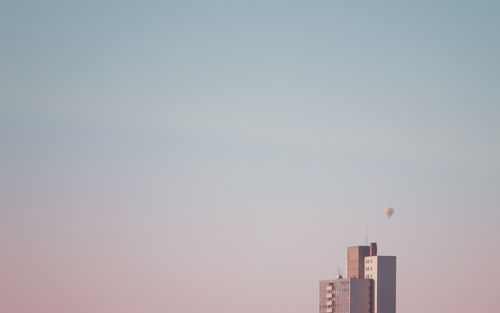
219	156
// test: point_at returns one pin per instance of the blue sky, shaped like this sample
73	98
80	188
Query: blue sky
147	146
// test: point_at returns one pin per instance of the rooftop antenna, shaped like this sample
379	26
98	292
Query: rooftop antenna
366	237
339	273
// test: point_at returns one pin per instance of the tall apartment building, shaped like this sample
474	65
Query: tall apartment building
345	295
356	259
382	270
370	286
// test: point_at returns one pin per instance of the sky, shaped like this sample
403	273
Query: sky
220	156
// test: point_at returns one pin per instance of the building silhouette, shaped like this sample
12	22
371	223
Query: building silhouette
382	270
370	286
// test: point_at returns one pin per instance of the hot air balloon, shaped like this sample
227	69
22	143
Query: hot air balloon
389	212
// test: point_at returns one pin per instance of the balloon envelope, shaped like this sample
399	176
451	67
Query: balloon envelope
389	212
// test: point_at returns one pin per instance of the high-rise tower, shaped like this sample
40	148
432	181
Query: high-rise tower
345	295
370	286
356	259
382	269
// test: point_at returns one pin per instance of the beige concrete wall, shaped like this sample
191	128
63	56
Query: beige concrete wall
356	261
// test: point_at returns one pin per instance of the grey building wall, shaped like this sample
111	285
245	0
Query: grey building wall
361	296
382	269
345	296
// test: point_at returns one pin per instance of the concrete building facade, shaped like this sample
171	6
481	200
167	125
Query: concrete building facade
370	286
356	259
345	295
382	270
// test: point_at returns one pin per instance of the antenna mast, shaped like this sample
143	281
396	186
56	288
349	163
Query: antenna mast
339	271
366	237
